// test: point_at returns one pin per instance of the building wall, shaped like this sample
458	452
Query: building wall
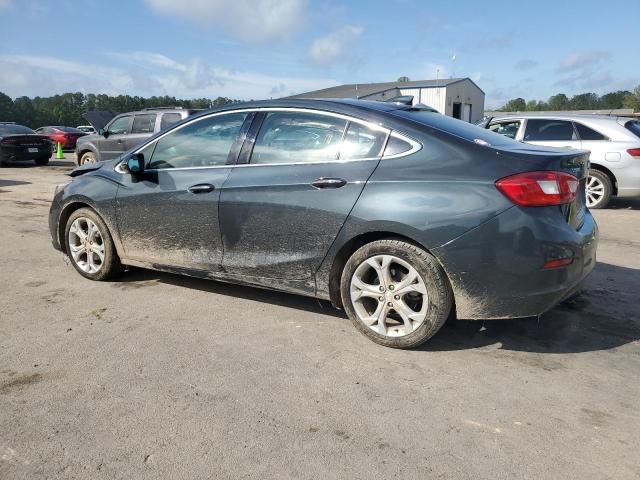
386	95
465	93
433	97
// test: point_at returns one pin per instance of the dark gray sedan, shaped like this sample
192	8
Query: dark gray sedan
400	216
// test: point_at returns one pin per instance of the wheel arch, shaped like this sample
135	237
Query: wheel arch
87	149
68	210
608	173
348	249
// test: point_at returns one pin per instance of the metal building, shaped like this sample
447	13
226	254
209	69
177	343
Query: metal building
457	97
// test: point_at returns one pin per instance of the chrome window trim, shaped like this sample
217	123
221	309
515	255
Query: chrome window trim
415	146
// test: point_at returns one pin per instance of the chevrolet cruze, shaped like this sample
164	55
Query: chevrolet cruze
400	216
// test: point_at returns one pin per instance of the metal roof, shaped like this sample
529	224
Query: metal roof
361	90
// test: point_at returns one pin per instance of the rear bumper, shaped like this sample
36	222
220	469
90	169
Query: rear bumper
496	269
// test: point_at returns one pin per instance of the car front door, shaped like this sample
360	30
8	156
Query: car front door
297	180
551	133
143	126
168	216
112	144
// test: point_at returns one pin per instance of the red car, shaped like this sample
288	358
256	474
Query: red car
66	136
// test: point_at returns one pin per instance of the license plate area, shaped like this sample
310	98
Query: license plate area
32	150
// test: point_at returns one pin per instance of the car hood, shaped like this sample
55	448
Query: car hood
99	118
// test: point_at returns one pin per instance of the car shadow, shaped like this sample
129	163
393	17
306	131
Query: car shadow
603	316
618	203
12	183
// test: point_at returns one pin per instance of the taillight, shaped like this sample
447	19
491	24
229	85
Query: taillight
634	152
539	189
9	141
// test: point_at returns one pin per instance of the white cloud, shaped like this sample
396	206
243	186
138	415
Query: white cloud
144	74
578	61
334	47
246	20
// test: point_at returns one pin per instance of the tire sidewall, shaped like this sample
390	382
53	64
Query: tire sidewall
606	182
438	290
111	261
85	156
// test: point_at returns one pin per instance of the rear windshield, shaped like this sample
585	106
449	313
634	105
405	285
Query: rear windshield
465	130
69	129
634	126
15	130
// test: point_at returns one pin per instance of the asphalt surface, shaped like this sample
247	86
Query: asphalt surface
161	376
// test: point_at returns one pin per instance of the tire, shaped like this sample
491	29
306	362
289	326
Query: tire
428	313
105	268
87	157
41	161
598	190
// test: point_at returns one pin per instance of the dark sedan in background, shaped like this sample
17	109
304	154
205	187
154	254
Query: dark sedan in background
65	136
396	214
20	143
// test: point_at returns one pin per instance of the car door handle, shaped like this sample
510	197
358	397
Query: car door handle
323	182
119	140
201	188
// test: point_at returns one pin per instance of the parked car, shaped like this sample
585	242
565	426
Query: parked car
86	129
614	144
396	214
65	136
19	143
119	133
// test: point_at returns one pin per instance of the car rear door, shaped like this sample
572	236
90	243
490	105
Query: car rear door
168	217
551	132
143	126
112	143
300	173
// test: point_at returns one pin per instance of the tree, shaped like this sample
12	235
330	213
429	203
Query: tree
6	108
515	105
532	106
559	102
633	100
404	79
584	101
614	99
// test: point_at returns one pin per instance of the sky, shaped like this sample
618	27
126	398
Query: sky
254	49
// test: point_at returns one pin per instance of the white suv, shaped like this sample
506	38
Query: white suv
614	143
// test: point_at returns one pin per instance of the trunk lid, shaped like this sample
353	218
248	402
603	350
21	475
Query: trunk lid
573	162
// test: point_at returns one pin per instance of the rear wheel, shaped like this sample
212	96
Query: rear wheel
90	246
395	293
598	190
41	160
87	157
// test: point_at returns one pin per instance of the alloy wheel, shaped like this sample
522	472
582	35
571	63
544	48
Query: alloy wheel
86	245
389	296
595	191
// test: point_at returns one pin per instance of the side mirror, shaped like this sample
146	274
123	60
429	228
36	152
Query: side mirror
104	133
135	164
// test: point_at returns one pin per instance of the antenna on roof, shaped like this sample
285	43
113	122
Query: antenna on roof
357	91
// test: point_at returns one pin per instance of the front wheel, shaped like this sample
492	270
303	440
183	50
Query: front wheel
395	293
41	161
90	246
598	190
87	157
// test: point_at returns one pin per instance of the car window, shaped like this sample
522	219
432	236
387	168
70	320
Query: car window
633	126
362	142
586	133
120	125
548	130
69	129
396	146
203	143
13	129
298	137
169	119
508	129
144	123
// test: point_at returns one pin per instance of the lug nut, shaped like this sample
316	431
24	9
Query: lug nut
397	297
390	304
391	287
381	288
381	299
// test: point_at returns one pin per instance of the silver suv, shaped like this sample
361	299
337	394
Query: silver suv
614	143
119	133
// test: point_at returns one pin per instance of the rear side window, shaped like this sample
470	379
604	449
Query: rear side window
396	146
144	123
548	130
203	143
362	142
587	133
169	119
633	126
298	137
508	129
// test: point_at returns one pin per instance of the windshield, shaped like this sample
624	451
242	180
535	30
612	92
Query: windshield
459	128
634	126
15	130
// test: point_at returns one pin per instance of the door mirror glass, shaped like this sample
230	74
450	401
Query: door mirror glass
135	164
